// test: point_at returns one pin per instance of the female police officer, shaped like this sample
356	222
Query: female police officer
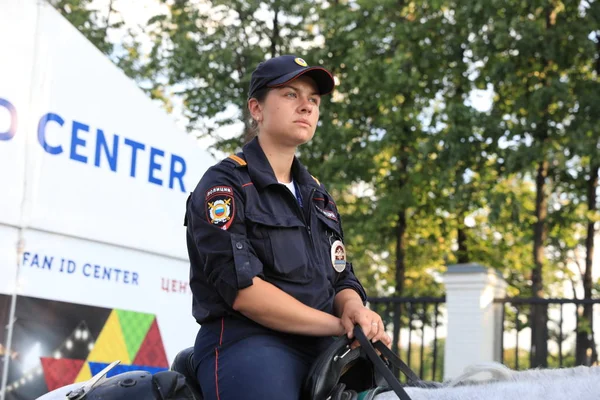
270	281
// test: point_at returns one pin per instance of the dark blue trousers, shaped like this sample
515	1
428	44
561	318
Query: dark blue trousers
239	360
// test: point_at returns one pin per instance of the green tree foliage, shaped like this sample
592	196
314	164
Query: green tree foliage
96	24
424	176
386	82
206	52
529	52
582	177
93	24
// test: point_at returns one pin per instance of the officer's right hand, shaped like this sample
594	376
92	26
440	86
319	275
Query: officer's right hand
354	313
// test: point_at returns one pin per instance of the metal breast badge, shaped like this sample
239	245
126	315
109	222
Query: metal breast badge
338	256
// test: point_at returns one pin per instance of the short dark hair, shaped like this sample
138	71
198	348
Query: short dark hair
260	95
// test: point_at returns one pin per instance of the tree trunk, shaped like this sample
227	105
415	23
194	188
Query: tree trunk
400	246
585	353
400	274
539	316
400	265
462	253
275	37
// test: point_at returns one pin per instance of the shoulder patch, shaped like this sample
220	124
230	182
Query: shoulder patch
238	160
220	206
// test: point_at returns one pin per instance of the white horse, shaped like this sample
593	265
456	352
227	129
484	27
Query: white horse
502	383
489	381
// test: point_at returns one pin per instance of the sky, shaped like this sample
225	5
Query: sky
135	13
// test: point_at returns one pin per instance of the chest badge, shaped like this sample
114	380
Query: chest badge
338	256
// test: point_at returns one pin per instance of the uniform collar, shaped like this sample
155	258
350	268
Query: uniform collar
261	172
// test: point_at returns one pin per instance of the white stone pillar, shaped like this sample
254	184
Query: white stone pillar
474	321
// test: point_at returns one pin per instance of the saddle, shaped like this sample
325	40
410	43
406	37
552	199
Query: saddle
342	373
339	373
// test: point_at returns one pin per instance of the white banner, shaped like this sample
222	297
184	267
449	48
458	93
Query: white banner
94	178
103	161
17	30
82	272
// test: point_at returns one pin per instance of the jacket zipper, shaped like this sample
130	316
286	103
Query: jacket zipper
308	205
316	249
306	219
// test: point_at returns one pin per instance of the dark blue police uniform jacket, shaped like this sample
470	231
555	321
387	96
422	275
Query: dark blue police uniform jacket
242	223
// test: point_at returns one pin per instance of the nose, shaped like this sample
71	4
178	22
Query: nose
306	106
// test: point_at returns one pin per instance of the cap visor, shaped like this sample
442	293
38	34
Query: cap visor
321	76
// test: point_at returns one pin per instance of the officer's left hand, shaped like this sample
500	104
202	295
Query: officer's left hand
355	312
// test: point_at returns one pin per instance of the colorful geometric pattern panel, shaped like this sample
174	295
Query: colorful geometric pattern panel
152	351
110	345
59	372
65	343
134	325
119	369
85	374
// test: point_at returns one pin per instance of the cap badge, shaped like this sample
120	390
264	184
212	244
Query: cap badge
301	62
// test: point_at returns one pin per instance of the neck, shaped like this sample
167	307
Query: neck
280	157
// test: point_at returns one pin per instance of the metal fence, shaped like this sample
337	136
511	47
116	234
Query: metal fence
417	326
570	341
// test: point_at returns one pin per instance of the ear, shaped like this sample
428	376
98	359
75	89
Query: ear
255	109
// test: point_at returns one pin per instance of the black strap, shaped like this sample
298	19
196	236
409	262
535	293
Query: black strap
379	364
396	361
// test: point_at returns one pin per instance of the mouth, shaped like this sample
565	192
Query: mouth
304	123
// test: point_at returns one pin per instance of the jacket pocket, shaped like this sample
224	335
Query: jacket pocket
287	245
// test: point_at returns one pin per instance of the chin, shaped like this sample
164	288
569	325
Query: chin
299	141
293	137
303	137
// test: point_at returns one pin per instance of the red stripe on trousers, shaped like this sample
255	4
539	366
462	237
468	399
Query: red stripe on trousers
217	373
217	358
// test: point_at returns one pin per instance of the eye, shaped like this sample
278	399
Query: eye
292	95
315	100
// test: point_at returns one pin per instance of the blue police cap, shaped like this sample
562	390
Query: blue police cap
278	71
